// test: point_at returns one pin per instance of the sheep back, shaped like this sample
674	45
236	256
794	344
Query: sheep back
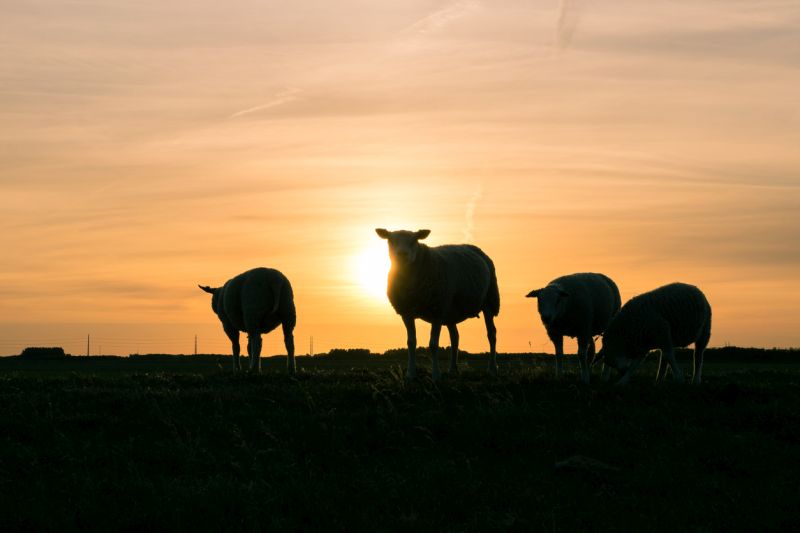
593	300
445	284
674	315
258	300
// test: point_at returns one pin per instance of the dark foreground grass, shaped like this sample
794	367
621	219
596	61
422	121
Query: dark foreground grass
361	449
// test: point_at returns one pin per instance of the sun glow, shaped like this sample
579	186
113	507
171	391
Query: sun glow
371	268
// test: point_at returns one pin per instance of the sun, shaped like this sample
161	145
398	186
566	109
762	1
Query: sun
371	267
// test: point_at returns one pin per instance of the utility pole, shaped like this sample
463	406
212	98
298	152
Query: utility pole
195	344
87	345
311	346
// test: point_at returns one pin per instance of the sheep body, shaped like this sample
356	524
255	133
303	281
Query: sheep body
669	317
255	302
442	285
577	305
447	284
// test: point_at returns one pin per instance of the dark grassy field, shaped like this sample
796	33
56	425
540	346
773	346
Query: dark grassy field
179	443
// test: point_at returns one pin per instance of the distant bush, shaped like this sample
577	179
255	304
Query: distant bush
38	352
421	350
349	353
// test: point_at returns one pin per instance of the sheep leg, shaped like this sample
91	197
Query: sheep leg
452	329
288	341
583	350
558	344
698	365
605	373
254	351
433	348
233	335
699	349
411	331
491	333
677	372
662	367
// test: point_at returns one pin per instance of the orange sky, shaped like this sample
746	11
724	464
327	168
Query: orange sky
151	146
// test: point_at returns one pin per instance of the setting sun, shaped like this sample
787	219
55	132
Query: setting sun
371	268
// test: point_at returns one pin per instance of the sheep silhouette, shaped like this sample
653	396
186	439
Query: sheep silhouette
442	285
256	302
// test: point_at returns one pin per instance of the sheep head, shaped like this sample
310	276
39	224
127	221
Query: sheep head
613	355
214	292
552	302
403	245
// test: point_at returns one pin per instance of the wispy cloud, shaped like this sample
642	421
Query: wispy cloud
283	97
569	14
469	215
439	19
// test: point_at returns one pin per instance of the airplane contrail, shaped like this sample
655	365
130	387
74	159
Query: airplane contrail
469	227
438	19
281	98
569	14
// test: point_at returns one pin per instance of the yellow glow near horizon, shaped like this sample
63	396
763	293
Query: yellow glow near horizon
371	267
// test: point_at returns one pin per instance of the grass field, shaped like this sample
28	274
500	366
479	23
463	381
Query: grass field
180	443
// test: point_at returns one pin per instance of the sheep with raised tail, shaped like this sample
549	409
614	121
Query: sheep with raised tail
672	316
580	306
256	302
442	285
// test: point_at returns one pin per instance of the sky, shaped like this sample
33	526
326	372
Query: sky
149	146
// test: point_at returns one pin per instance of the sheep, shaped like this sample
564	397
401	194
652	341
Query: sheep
256	302
442	285
672	316
581	306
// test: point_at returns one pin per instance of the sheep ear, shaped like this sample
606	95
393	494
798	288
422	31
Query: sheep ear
421	234
563	293
534	293
208	289
382	233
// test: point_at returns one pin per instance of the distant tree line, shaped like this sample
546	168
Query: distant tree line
40	352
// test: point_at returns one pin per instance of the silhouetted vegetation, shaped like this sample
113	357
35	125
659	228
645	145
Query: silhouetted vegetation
35	352
178	442
348	353
422	350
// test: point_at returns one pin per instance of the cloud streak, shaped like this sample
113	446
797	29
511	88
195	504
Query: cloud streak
469	215
283	97
437	20
569	14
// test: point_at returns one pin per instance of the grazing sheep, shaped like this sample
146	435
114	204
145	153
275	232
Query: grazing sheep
672	316
581	306
256	302
442	285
